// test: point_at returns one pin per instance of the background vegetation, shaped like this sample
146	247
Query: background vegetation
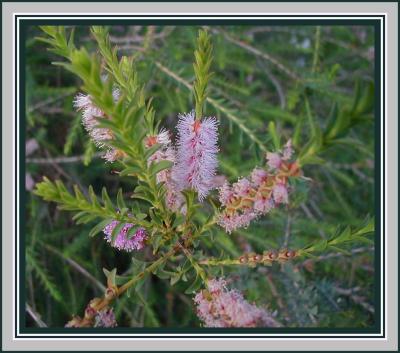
302	81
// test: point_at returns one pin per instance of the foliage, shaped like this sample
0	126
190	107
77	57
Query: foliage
263	92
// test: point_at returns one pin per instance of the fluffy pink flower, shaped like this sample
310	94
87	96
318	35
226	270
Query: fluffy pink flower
105	318
174	199
220	307
231	222
263	204
251	197
225	194
197	150
121	241
90	115
280	193
242	187
274	160
258	176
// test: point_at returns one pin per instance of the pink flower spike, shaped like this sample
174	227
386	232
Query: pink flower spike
197	151
242	187
280	193
274	160
122	242
217	306
225	194
105	318
263	205
258	176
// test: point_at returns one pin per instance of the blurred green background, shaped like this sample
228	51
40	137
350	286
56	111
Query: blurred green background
261	74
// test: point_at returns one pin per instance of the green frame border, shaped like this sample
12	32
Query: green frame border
20	128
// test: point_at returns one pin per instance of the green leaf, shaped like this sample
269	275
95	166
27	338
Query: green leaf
274	134
106	200
99	227
120	200
158	167
194	287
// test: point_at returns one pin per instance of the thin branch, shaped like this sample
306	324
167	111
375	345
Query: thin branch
259	53
59	160
34	315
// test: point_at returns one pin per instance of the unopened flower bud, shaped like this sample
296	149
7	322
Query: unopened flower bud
243	259
110	293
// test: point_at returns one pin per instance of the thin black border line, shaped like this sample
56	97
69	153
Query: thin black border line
382	33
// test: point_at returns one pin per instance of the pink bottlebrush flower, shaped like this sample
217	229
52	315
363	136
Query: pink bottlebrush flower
196	154
165	154
90	116
174	199
246	200
274	160
105	318
218	306
90	120
263	204
121	241
236	220
242	187
225	194
162	138
280	193
258	176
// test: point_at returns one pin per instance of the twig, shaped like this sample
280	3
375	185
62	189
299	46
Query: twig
275	82
312	217
333	255
356	298
259	53
77	267
48	101
287	231
34	315
56	160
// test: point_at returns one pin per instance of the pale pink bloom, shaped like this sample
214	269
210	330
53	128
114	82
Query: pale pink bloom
111	155
121	241
166	154
287	151
197	150
242	187
274	160
280	193
90	120
217	306
263	205
236	220
105	318
163	137
174	199
258	176
225	194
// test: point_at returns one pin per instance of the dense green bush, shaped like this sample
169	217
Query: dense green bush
314	85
